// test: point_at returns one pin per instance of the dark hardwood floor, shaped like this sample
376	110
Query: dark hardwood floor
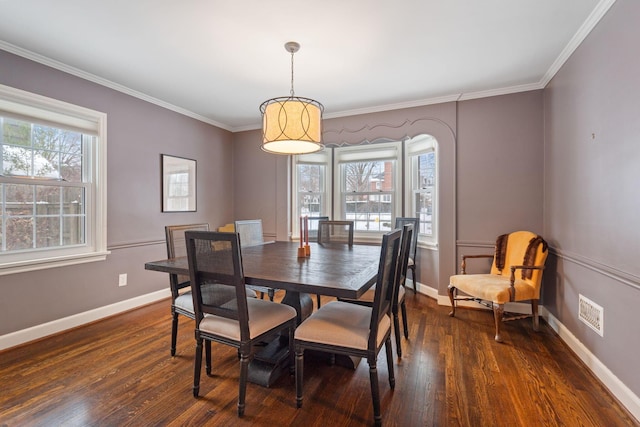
118	371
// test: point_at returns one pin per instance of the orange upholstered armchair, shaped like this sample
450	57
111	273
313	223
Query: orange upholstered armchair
516	274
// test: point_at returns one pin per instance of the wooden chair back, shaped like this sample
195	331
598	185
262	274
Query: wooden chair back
313	226
176	247
217	278
400	222
335	232
250	231
385	283
403	261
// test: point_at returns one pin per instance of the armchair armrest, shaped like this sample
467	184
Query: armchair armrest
463	264
512	290
522	267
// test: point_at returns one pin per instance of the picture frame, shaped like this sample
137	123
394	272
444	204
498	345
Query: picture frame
179	184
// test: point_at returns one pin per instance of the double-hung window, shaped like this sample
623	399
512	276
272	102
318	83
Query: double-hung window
368	189
421	175
312	183
52	182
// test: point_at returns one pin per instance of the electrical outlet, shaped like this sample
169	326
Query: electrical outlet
122	279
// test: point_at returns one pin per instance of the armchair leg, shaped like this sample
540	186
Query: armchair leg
452	298
498	314
271	292
534	312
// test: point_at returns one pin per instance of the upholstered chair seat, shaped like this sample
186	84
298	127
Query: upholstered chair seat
342	324
263	315
491	287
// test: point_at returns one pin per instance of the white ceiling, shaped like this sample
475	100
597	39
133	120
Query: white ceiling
219	60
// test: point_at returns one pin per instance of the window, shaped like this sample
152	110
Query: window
52	175
421	175
312	179
368	186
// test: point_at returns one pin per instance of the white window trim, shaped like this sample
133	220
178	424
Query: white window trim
414	147
382	151
320	158
29	106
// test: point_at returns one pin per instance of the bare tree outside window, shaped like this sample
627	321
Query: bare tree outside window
310	189
42	188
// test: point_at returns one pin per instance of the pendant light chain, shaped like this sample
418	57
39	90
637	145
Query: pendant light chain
292	93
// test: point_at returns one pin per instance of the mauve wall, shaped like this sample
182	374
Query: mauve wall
138	132
592	187
496	164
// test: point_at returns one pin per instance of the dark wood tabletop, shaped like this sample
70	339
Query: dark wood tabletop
331	269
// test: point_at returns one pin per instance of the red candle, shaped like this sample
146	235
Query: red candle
301	231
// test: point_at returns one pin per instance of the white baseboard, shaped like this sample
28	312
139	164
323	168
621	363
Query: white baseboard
626	397
621	392
40	331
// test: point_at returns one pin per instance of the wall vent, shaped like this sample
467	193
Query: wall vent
591	314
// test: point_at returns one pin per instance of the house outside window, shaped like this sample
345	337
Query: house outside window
370	185
52	176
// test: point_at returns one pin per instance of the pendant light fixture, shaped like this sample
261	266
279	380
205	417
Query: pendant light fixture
292	124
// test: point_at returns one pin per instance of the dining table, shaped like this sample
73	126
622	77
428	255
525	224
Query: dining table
336	270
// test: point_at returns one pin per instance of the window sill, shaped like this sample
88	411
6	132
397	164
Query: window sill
45	263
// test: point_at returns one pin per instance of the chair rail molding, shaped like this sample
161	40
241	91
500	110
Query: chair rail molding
611	272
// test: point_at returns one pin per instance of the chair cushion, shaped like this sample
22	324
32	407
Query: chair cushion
341	324
263	316
492	287
185	302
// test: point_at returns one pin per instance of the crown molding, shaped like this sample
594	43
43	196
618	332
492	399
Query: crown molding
589	24
104	82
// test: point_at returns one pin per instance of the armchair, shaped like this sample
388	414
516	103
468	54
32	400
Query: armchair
516	275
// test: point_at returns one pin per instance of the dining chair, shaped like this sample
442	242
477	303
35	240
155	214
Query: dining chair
181	300
314	222
313	226
335	232
223	313
250	231
400	221
399	303
521	251
355	330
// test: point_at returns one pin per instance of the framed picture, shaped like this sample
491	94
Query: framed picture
178	184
